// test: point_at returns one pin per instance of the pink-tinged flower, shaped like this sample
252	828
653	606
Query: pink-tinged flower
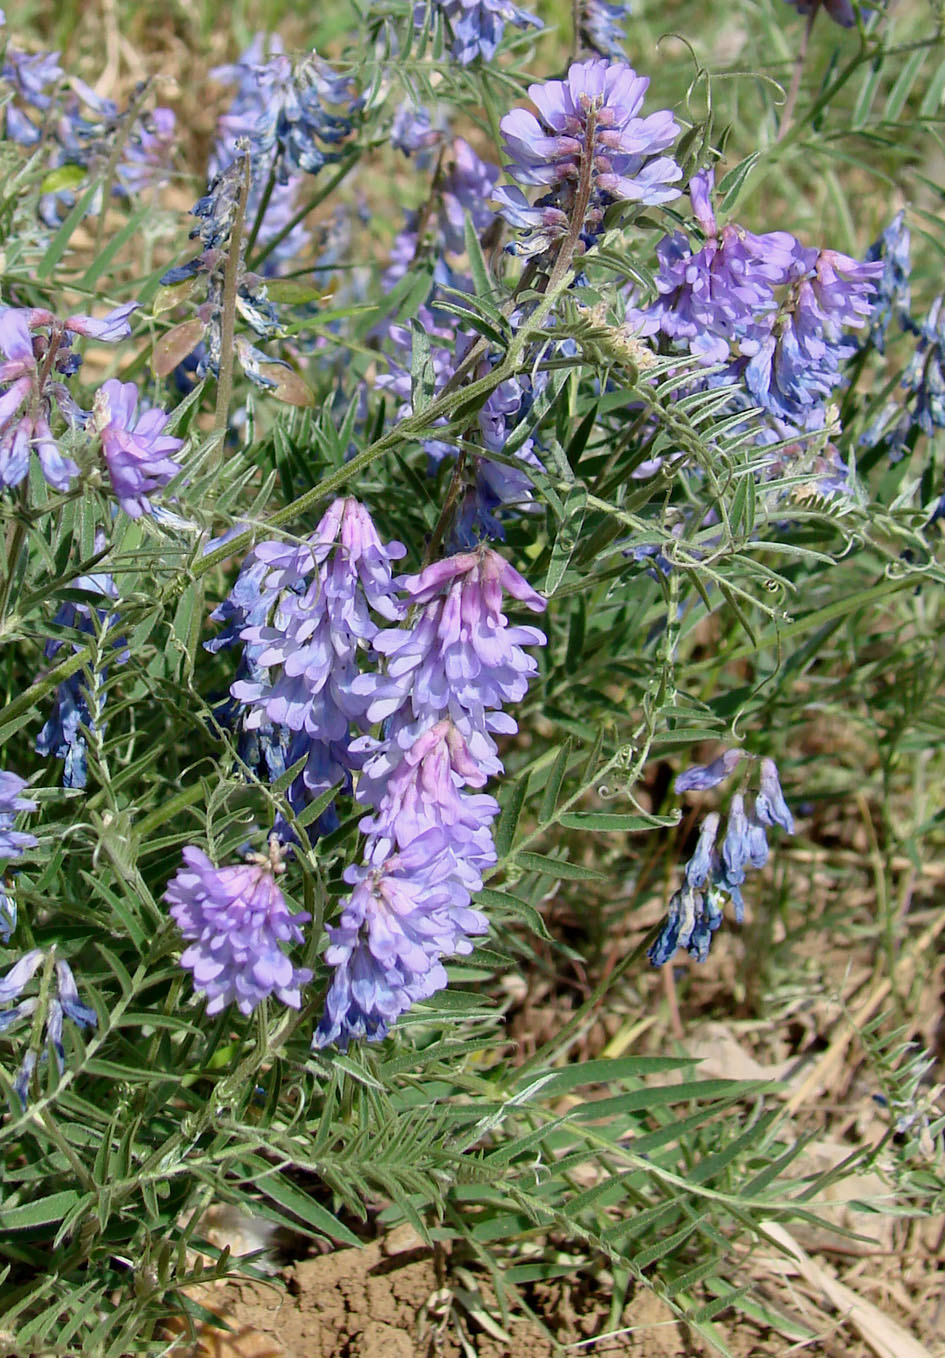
238	920
138	455
109	328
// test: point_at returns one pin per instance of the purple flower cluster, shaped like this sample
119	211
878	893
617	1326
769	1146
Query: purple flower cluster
284	110
589	148
238	921
64	1004
776	312
80	128
304	614
450	672
477	25
64	732
718	870
38	353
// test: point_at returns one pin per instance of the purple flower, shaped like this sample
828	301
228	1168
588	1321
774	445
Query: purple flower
413	130
600	28
310	646
770	806
420	789
720	295
797	365
13	843
841	11
429	840
701	777
284	110
304	615
477	25
238	920
138	455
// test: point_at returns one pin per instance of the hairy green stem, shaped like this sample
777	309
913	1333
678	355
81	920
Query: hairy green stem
791	101
231	278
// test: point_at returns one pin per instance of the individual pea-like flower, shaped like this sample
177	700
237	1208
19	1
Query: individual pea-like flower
138	454
63	1003
413	129
588	144
701	777
237	922
477	26
841	11
14	843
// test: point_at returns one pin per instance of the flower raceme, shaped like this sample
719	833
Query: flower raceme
237	921
716	871
311	678
588	147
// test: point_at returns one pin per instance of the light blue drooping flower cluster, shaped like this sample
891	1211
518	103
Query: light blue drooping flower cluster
63	1003
65	732
717	869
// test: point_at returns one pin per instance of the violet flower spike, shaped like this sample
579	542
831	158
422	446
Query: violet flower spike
237	921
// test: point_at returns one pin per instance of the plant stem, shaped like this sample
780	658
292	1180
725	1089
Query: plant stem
791	101
231	279
313	202
261	210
